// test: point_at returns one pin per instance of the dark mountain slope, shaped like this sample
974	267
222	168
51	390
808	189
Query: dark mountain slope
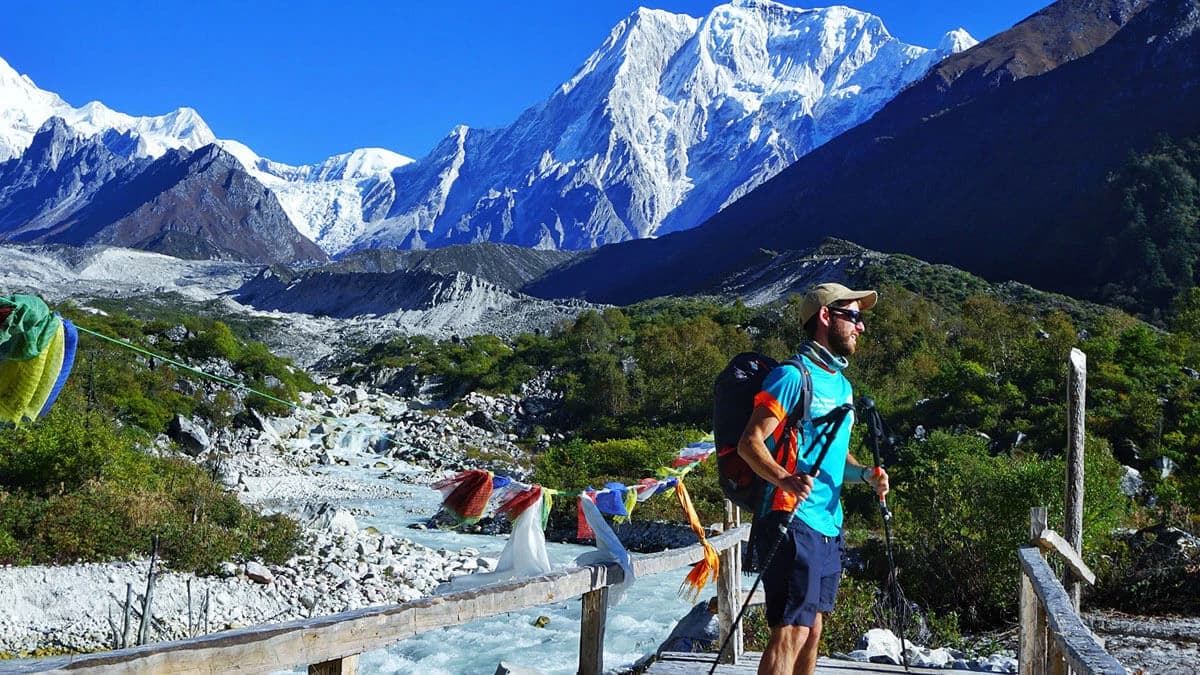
1058	34
200	204
502	264
1004	185
57	174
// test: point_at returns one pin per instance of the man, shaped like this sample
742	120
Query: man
802	580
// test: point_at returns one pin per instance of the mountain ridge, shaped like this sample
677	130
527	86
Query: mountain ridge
757	81
670	119
910	180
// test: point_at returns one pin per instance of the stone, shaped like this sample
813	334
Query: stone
1132	483
879	646
336	571
542	621
227	569
258	573
308	599
938	658
332	519
191	437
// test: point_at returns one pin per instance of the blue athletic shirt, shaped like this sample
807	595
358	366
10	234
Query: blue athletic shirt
822	511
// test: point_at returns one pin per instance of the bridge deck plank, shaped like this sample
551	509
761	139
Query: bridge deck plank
685	663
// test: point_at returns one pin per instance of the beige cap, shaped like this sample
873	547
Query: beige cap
823	295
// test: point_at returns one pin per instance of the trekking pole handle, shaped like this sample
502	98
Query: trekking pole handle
877	471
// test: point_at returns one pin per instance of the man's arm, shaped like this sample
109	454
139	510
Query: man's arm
753	448
856	471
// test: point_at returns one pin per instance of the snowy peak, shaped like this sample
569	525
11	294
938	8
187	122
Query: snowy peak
361	163
955	41
181	128
24	108
668	121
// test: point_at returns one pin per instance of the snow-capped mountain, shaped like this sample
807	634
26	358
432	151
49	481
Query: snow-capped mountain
671	119
324	201
24	108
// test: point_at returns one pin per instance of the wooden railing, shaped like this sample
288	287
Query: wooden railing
332	644
1053	639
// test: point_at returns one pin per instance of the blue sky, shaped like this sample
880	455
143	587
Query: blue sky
302	80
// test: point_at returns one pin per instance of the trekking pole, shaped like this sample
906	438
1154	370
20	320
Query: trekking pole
875	424
783	528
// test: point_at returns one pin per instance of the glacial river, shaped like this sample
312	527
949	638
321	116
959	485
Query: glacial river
636	626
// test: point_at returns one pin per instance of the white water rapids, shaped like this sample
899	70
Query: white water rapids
635	627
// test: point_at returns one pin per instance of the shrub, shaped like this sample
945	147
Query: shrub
74	486
853	614
966	512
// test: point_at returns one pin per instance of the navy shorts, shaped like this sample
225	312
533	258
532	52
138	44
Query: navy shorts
803	577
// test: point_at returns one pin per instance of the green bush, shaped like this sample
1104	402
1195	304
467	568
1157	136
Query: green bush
853	614
961	513
74	486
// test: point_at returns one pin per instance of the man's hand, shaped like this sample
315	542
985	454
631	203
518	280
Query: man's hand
799	484
878	479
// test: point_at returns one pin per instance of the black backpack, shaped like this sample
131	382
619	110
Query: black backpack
733	402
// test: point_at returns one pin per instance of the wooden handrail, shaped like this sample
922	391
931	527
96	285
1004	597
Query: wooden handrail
1051	632
1074	642
342	637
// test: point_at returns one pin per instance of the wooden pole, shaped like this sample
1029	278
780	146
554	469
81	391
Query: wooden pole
191	632
1033	629
148	599
591	632
1073	529
729	590
128	609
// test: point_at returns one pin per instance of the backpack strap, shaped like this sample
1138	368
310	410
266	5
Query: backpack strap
802	413
831	421
796	418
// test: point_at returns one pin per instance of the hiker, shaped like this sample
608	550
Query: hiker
802	579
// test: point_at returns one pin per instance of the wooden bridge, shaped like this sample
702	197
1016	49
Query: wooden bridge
1053	639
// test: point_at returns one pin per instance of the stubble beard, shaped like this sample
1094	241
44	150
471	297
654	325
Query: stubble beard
842	344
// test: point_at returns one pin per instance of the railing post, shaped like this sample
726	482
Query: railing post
1033	632
729	589
591	631
1073	527
347	665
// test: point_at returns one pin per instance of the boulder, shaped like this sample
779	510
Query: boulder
330	518
878	645
698	631
480	419
191	437
1132	484
258	573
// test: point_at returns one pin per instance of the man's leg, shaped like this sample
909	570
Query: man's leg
782	656
807	663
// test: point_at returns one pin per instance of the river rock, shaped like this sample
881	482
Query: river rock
878	645
328	517
258	573
1132	484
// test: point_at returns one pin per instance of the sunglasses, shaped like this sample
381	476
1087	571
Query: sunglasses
853	315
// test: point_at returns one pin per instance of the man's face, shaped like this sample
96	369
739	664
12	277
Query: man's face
843	330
